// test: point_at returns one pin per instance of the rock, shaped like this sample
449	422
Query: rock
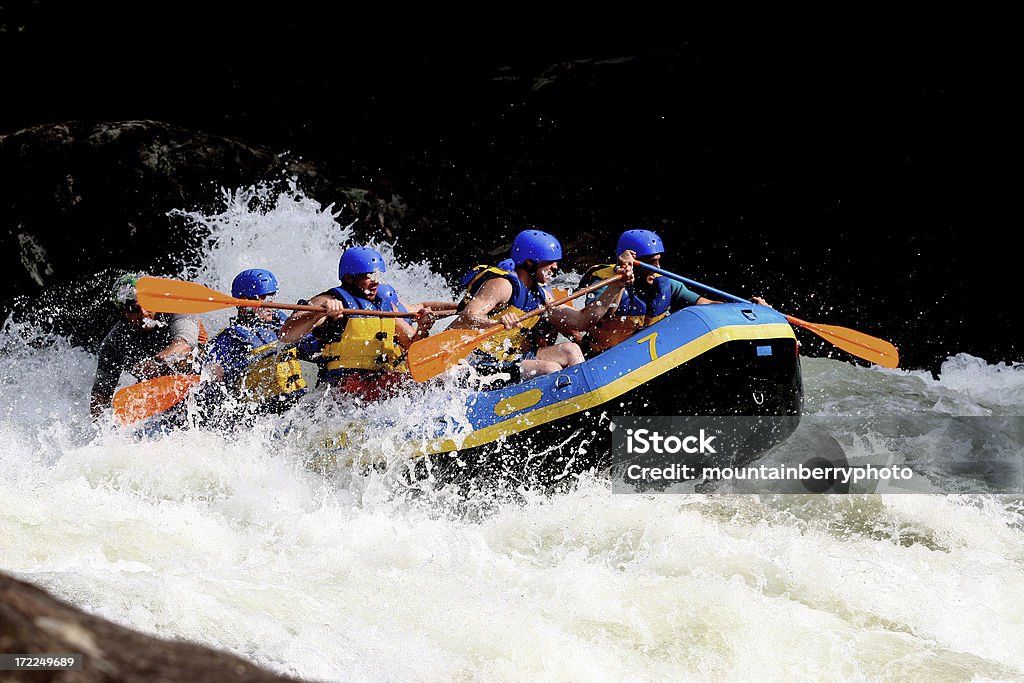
82	197
33	622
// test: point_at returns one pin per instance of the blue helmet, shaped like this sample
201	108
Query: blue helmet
643	242
358	260
388	296
508	264
536	245
253	283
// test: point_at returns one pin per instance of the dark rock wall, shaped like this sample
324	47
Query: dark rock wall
83	202
852	174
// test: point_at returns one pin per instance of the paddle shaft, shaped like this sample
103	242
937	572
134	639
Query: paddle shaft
854	342
692	283
162	290
345	311
297	307
716	292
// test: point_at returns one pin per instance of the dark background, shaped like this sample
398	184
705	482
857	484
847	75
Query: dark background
859	175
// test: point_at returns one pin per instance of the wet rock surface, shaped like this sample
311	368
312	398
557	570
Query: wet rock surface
32	622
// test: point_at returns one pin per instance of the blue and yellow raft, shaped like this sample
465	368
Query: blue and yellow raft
719	359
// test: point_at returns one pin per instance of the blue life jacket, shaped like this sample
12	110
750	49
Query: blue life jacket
639	307
253	367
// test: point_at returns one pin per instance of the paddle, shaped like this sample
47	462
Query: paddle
145	399
862	345
177	296
431	356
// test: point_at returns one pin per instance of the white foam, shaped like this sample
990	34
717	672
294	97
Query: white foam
229	540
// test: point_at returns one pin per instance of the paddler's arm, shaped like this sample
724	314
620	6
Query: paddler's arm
568	319
174	357
682	297
300	323
495	292
432	305
165	362
406	334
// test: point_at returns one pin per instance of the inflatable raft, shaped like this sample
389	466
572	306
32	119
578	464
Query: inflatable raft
730	359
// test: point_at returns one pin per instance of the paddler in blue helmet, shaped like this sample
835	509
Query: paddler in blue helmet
247	356
648	300
497	295
360	354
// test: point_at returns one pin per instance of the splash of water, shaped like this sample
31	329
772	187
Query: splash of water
232	541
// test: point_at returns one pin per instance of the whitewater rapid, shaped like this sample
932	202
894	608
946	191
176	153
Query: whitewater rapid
233	542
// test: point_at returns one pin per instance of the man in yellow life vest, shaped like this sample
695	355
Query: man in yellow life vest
498	295
255	369
357	354
648	300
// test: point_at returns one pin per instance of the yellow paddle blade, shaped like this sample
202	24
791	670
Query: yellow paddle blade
152	397
872	349
177	296
431	356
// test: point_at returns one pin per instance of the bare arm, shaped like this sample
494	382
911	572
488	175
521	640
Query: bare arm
175	351
568	319
432	305
168	359
495	292
406	334
300	323
756	299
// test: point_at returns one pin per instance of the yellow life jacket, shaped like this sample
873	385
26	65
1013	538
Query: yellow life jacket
364	343
274	375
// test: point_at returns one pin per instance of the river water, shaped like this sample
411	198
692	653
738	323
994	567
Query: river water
233	542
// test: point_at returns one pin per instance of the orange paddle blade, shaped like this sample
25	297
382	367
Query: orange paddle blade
431	356
177	296
862	345
149	398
